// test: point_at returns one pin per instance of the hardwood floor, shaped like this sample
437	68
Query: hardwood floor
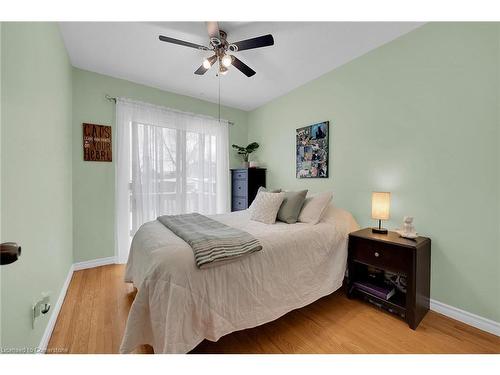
94	313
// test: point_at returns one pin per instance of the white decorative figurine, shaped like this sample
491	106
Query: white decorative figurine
408	230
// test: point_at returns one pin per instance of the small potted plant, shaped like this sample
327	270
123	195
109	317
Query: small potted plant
246	151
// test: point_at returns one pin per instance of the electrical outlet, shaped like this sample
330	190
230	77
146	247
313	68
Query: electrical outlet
41	307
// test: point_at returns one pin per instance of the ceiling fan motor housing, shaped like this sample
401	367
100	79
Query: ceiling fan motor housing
221	42
215	42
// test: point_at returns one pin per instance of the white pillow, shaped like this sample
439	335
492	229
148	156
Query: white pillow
265	207
314	207
342	220
261	188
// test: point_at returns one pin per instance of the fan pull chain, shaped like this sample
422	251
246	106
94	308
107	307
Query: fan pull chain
218	79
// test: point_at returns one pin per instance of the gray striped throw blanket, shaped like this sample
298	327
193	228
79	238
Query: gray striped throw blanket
210	240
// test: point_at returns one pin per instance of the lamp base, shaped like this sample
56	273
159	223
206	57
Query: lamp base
379	230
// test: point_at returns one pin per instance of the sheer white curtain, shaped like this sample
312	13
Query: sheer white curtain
168	162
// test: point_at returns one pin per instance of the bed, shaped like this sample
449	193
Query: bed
179	305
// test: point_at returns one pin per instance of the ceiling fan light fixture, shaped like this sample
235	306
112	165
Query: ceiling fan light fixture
207	64
223	70
227	60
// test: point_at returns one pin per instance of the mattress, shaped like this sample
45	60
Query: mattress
179	305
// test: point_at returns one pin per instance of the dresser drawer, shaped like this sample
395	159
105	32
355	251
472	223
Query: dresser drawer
240	188
381	255
240	174
239	204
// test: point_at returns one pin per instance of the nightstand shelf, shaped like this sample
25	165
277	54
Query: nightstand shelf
390	253
396	304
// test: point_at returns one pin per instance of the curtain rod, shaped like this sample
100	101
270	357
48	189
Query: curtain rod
113	99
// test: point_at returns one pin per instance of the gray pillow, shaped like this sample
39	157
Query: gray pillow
291	206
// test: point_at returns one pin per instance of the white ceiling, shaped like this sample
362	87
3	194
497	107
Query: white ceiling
302	52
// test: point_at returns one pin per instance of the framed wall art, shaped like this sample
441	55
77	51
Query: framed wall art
312	151
97	144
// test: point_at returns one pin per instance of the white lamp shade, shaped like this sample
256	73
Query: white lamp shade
381	204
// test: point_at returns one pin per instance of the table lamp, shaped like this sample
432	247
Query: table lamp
381	203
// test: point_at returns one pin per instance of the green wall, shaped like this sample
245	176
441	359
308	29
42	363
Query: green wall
418	117
36	180
94	182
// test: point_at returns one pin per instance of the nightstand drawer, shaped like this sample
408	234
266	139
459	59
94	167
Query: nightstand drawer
240	188
381	255
239	204
240	175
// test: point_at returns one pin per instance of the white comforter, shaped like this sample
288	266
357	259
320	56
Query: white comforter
178	305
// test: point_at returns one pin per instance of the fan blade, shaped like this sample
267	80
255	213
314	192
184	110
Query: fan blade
242	67
202	70
260	41
182	43
213	29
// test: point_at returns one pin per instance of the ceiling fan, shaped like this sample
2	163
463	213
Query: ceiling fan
221	48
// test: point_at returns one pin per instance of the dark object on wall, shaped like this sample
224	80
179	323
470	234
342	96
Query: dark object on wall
97	144
409	259
312	151
9	252
245	183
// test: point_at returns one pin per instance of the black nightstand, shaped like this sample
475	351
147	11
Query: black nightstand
389	252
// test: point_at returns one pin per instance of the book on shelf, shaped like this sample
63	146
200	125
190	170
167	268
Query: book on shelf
380	291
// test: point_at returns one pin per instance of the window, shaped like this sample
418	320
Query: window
169	162
174	172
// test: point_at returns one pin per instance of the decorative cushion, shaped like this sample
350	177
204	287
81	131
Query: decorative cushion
263	189
290	208
266	206
314	207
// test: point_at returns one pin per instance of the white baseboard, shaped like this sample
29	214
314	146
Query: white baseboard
466	317
55	313
94	263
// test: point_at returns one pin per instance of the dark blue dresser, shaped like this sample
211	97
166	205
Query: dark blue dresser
245	183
